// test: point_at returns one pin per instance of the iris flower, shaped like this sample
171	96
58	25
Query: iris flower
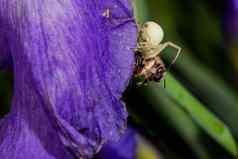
230	24
130	146
71	60
125	148
231	20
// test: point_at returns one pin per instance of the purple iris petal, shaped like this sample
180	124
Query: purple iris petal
5	56
71	60
231	20
124	149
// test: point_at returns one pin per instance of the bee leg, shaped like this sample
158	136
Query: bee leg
139	60
139	83
164	83
145	82
142	83
138	64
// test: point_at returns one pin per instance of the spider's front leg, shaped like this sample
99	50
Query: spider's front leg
167	44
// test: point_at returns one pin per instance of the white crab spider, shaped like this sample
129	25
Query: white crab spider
149	40
148	62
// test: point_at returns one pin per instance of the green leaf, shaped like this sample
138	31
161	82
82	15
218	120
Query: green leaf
207	85
176	117
210	88
207	120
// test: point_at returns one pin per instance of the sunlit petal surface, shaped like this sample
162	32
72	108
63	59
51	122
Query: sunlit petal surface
71	59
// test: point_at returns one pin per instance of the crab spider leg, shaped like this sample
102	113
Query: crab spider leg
166	44
163	46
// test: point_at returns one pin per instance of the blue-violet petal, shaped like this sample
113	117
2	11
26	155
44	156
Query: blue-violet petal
71	59
125	148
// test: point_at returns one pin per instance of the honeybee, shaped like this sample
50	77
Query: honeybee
148	63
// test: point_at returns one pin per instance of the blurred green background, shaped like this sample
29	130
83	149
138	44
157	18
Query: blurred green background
196	114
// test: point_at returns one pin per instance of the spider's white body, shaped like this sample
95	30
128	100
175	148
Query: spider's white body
148	62
149	40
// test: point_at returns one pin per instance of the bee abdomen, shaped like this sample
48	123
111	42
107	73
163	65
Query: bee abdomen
160	73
